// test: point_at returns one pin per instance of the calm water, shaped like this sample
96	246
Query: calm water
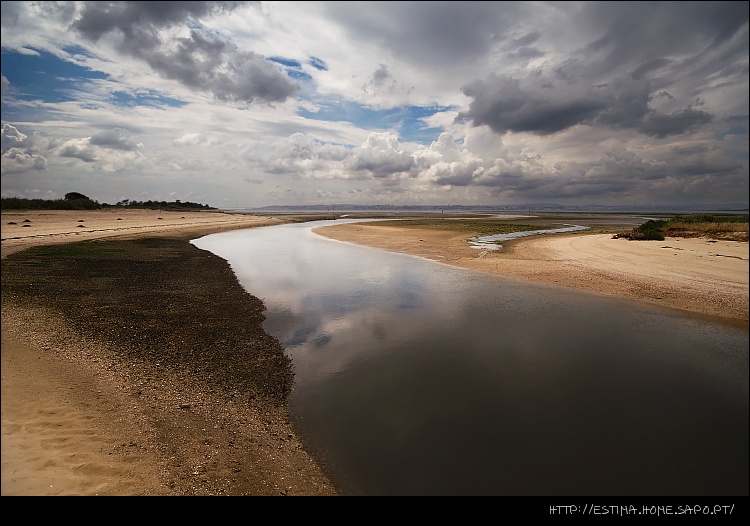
416	378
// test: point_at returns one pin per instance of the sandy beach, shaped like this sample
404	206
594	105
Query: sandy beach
78	420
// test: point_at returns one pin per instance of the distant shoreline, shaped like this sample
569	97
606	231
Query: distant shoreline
525	210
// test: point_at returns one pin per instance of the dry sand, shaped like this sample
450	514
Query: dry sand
33	228
61	427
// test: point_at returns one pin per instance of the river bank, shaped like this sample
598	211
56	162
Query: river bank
138	365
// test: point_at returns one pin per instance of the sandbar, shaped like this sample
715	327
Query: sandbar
698	275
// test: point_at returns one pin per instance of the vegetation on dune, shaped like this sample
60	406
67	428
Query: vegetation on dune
727	227
69	203
78	201
159	205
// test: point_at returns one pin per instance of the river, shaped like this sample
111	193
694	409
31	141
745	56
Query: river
417	378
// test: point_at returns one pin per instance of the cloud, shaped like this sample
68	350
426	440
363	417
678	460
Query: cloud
381	157
546	104
112	150
116	138
378	158
134	19
302	156
425	102
79	149
427	34
198	60
20	152
5	85
532	105
446	163
190	139
11	13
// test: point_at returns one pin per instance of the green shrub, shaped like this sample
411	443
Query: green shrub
652	229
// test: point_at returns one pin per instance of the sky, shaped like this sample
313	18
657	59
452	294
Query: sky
253	104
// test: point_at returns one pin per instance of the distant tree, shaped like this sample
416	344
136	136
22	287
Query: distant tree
70	196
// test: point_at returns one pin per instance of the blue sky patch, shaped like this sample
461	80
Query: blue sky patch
318	64
50	79
293	68
288	62
146	98
45	77
405	120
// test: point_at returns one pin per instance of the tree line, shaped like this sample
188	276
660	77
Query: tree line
78	201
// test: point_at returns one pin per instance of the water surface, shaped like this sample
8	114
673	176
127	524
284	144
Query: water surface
416	378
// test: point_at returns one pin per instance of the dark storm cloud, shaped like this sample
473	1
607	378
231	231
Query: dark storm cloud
201	61
430	33
663	29
525	53
506	104
613	80
10	13
650	67
700	174
612	173
704	160
141	18
662	125
526	40
381	75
